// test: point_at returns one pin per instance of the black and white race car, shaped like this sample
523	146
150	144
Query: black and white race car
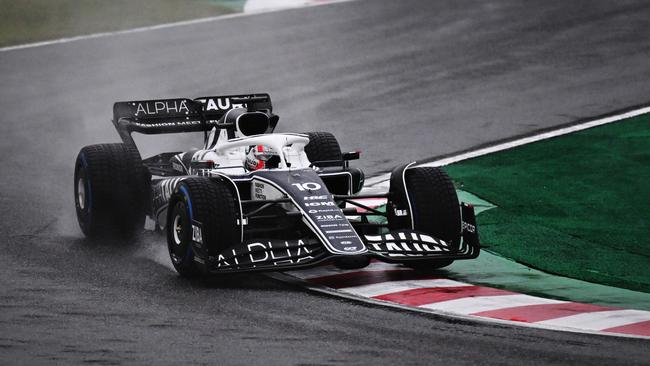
253	200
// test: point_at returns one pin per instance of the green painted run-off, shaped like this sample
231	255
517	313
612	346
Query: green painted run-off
576	205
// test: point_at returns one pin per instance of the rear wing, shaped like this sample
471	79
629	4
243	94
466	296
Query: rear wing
181	114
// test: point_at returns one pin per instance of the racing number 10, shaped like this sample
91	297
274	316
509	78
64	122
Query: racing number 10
307	186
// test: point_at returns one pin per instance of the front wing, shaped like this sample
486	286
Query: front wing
398	246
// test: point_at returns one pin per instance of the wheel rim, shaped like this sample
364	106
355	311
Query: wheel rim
177	228
81	193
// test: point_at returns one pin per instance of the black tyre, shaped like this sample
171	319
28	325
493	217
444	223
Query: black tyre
322	146
111	188
436	210
211	208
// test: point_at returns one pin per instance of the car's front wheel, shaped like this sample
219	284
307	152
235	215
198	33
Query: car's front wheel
435	209
201	221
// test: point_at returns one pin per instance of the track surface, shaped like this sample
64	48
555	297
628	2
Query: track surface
399	80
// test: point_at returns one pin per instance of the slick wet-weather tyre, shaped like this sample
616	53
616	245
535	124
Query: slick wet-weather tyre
111	188
436	210
322	146
202	220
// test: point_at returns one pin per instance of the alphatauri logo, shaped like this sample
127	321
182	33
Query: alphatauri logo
154	108
221	104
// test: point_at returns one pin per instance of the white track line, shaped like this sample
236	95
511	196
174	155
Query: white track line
519	142
160	26
258	5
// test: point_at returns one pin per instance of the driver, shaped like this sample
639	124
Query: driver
260	157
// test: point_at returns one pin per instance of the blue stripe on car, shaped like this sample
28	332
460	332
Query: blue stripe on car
90	192
189	252
189	201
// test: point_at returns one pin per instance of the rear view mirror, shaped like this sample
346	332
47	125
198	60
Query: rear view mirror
352	155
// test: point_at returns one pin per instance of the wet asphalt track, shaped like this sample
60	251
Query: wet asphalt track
400	80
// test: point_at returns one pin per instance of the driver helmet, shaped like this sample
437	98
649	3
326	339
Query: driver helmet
258	157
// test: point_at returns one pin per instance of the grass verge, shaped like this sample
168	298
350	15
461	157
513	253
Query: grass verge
27	21
576	205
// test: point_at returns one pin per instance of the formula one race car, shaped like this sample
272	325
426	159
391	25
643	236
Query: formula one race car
253	200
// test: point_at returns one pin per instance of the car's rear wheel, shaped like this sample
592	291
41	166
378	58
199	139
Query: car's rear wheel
110	190
435	209
201	221
323	146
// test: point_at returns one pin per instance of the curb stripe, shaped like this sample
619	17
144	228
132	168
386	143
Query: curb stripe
600	320
380	289
370	202
641	328
284	277
473	305
538	313
423	296
392	284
